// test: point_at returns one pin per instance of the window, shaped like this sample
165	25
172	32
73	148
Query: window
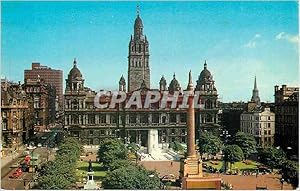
102	132
172	118
269	124
132	118
155	118
172	131
144	118
91	132
112	119
182	131
183	117
102	119
269	118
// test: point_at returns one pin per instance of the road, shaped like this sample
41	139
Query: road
44	155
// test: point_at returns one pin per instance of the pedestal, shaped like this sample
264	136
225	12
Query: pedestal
192	177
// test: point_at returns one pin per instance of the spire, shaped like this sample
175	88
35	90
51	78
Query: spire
255	86
138	10
205	65
190	84
255	95
74	62
174	75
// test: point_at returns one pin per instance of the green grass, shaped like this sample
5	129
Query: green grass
99	171
215	164
243	166
237	165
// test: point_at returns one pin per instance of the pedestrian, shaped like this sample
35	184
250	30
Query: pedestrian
171	163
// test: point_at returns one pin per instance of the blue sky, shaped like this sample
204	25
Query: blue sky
238	39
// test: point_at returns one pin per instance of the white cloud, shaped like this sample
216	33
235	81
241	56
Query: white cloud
287	37
253	41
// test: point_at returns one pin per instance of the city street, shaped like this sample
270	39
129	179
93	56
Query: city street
44	153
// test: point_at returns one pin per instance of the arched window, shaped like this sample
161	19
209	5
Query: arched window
140	48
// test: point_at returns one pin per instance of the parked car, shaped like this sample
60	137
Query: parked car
15	165
16	174
39	145
169	178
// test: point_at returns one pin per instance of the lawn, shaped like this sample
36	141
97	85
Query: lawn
237	165
243	166
99	171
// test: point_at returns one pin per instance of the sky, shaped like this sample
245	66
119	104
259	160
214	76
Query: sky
239	40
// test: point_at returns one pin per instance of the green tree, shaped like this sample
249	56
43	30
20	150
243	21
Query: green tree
209	143
111	150
246	142
232	154
138	178
272	157
120	163
176	146
60	173
290	172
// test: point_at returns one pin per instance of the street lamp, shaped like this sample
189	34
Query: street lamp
282	181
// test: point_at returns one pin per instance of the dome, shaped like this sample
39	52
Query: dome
122	80
174	85
205	74
162	80
75	72
138	22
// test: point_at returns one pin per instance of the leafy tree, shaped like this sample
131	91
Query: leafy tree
272	157
290	172
233	153
60	173
120	163
246	142
209	143
176	146
138	178
111	150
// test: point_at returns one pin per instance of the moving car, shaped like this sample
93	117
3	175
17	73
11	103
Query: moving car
169	178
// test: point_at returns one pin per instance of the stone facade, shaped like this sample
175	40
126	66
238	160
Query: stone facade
44	99
91	124
138	58
260	124
208	117
287	118
16	116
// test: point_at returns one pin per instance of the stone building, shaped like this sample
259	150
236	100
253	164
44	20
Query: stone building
16	116
91	124
287	118
44	98
230	117
207	118
138	58
258	121
50	76
261	124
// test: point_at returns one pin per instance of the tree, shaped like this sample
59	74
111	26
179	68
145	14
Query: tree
119	163
138	178
272	157
176	146
290	172
111	150
60	173
232	154
246	142
209	143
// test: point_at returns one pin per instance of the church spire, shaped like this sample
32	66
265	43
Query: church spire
255	95
255	86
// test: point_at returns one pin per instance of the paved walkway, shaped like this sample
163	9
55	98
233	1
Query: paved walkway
9	158
271	181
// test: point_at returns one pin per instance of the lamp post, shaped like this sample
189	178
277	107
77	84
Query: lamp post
282	181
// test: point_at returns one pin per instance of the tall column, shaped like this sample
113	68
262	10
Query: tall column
190	120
